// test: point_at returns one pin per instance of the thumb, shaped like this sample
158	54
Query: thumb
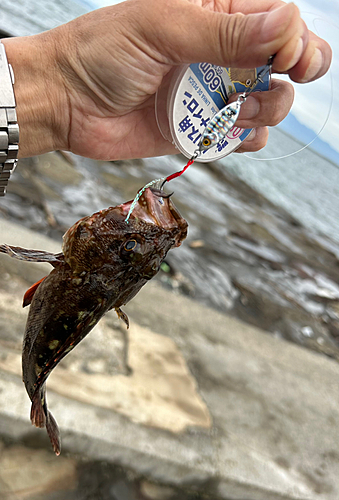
190	34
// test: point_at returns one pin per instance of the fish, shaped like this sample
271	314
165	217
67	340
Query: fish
104	263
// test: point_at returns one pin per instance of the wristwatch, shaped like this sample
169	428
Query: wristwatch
9	128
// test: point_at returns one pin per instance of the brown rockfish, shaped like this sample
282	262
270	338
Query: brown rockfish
103	264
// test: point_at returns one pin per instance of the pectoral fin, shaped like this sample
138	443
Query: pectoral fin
30	293
32	255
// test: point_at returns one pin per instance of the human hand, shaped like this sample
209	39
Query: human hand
89	86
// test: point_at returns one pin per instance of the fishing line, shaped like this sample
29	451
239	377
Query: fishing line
259	455
220	125
160	182
330	104
314	138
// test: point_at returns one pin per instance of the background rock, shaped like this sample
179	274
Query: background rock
244	255
273	406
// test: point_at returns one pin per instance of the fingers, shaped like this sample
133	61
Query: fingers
189	33
311	64
315	61
263	109
255	141
267	108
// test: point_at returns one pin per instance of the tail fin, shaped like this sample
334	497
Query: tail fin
53	433
41	417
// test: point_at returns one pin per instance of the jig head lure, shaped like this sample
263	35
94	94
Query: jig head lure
222	122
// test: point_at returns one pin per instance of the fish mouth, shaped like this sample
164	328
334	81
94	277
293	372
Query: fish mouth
160	193
155	207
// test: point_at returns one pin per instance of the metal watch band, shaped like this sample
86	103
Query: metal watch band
9	128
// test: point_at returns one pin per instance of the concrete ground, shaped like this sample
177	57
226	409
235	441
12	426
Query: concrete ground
187	398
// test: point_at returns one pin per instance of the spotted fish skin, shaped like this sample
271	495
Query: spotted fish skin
104	263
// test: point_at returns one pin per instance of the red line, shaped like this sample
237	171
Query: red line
177	174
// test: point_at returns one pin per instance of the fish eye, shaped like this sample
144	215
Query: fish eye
206	142
130	245
133	247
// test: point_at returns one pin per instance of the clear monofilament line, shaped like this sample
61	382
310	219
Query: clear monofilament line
306	146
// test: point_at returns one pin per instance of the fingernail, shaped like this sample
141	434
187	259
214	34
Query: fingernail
314	67
276	22
251	135
250	108
297	53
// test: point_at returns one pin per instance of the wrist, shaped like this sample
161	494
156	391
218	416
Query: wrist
41	100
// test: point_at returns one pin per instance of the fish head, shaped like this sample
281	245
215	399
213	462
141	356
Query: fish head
136	247
155	207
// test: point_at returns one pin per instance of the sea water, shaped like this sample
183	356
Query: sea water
305	184
28	17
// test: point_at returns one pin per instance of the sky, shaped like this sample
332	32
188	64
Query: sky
316	100
316	104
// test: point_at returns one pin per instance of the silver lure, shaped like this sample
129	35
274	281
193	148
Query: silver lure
222	122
